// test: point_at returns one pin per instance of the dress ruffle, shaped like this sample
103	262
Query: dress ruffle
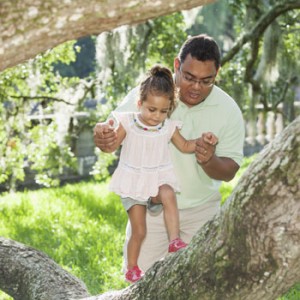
141	185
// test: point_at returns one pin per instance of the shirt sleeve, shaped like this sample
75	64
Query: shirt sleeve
232	138
129	104
123	118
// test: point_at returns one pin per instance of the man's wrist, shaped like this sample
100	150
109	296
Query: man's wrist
205	163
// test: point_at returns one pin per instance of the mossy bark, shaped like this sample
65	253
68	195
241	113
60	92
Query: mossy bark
251	249
28	274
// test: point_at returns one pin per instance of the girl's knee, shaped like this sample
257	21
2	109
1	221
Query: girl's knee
166	192
138	234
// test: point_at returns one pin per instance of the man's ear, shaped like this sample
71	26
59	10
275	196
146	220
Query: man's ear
176	70
139	103
176	64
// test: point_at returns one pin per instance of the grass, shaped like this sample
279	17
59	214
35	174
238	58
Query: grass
82	228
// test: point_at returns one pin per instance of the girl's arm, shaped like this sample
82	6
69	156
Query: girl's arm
120	133
189	146
185	146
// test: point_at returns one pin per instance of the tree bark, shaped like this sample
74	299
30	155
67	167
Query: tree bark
249	251
28	274
28	28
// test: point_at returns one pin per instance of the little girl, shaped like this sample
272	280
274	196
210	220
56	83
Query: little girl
145	170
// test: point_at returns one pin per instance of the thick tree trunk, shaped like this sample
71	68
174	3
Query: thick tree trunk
28	274
249	251
31	27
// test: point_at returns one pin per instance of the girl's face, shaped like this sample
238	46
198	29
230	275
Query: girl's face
154	110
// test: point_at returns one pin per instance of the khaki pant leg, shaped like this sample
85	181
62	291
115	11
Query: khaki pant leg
192	219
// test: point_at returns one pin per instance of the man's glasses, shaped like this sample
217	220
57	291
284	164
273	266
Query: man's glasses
207	82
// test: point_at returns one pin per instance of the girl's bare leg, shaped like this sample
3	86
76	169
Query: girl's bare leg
137	217
167	197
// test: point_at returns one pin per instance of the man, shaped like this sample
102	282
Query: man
203	107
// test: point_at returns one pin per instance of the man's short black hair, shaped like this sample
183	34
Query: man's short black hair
202	47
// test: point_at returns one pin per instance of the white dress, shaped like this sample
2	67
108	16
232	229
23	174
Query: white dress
145	161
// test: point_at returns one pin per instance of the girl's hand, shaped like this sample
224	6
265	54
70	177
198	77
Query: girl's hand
210	138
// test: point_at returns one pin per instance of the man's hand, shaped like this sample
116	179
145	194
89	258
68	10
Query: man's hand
105	136
206	147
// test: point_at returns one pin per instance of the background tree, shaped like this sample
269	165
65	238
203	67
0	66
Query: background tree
46	93
263	59
125	53
28	139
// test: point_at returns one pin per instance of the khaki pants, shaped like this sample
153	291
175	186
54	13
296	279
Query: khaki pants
155	245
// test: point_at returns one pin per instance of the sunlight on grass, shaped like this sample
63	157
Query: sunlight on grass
80	226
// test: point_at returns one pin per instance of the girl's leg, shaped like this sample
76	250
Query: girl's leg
137	218
171	216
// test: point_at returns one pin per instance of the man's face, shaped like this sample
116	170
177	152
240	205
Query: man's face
195	79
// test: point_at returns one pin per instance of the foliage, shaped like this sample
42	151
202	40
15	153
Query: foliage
123	55
57	157
129	51
100	169
165	40
222	30
34	89
84	64
264	71
27	91
48	220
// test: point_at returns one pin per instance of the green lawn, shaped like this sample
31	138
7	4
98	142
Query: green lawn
81	227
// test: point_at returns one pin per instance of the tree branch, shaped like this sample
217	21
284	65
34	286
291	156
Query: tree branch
250	250
28	274
44	98
260	27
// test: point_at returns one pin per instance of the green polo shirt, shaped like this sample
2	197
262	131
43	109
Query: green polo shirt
219	114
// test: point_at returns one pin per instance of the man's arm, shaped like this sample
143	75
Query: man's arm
219	168
105	136
112	138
